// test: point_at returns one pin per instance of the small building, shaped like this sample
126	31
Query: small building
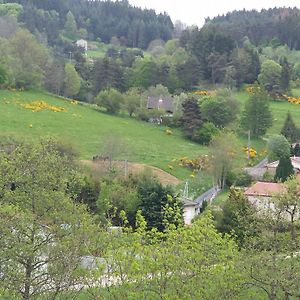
261	193
82	44
165	103
190	209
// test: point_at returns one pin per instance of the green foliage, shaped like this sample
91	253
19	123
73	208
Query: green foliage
278	147
10	9
117	197
270	77
132	101
238	217
70	28
206	133
177	260
239	178
296	150
3	75
191	119
271	259
284	169
43	233
223	150
257	116
285	75
72	81
246	64
29	60
110	99
220	110
289	129
156	205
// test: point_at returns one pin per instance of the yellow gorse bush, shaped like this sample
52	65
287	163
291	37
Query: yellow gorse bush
294	100
40	105
251	89
201	92
252	152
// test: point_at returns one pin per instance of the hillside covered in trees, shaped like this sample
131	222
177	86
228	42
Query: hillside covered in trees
275	25
93	20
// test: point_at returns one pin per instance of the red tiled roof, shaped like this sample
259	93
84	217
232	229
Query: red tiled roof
266	189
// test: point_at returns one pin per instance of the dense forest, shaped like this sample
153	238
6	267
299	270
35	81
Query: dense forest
275	25
133	26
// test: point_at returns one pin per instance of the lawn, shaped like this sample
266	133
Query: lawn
279	110
88	129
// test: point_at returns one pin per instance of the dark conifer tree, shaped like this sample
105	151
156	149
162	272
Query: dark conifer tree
284	169
289	129
191	120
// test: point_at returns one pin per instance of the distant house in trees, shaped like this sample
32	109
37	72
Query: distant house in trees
295	160
82	44
164	103
261	196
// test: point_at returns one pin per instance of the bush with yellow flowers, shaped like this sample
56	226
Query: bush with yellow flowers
290	99
201	93
252	152
40	105
252	89
196	164
168	131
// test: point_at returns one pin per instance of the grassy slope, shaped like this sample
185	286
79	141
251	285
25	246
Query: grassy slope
279	110
87	129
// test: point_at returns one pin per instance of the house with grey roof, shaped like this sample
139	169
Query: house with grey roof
165	103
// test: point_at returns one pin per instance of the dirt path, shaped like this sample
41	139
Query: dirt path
134	168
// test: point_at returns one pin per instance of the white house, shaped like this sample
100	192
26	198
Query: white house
82	44
189	210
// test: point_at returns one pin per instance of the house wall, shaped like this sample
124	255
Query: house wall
265	204
189	212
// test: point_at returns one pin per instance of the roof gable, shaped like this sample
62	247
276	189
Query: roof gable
165	103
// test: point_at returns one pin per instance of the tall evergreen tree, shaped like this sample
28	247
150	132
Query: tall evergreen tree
289	129
191	119
257	116
70	28
284	169
285	75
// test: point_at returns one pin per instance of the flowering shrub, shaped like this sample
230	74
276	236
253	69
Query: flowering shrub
294	100
251	89
36	106
197	164
168	131
252	152
201	93
74	102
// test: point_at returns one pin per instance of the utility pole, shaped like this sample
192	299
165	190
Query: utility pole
248	151
70	57
186	190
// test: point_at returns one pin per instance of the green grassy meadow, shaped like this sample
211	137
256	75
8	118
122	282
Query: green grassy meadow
279	110
87	128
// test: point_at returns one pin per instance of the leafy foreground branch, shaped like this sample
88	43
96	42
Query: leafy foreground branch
47	239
